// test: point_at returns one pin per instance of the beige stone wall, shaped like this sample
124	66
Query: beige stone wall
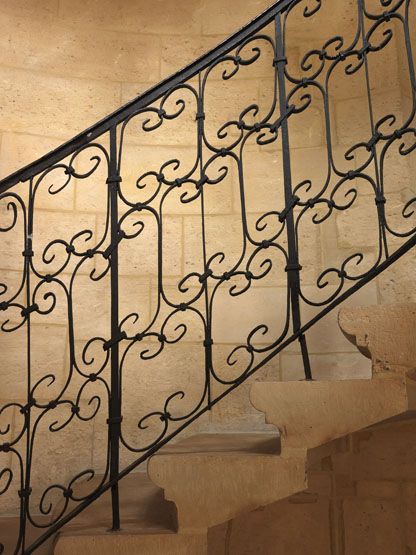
361	500
66	63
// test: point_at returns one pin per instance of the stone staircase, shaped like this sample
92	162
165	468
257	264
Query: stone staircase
208	479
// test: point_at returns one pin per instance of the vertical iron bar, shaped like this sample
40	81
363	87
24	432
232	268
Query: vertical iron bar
25	492
208	325
380	200
115	404
293	268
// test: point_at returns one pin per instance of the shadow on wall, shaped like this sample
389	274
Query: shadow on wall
361	500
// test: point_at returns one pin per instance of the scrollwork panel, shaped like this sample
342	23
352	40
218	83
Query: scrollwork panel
233	206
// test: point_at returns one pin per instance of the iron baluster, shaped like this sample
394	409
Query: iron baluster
208	342
25	492
219	152
114	419
293	268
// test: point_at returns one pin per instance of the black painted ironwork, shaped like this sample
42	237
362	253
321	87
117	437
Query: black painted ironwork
94	377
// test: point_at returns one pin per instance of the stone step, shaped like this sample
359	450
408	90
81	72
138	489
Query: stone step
9	532
212	478
143	509
123	543
384	333
309	413
145	515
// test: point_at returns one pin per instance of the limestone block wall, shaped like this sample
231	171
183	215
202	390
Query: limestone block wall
66	63
361	500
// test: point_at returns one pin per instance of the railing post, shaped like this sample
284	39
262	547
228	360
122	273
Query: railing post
114	419
293	268
208	342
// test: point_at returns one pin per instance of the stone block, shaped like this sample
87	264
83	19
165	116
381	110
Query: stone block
10	284
383	66
234	413
320	484
224	101
138	160
409	498
106	14
180	51
397	171
309	247
309	164
91	193
384	334
247	468
9	500
372	525
179	131
217	539
60	456
358	226
384	453
165	17
18	150
325	336
47	357
178	367
353	116
134	297
323	25
130	90
68	105
235	317
261	66
12	241
138	256
57	48
339	366
146	544
54	458
263	182
384	489
195	325
230	243
344	484
306	129
47	8
396	283
50	226
218	17
92	301
275	529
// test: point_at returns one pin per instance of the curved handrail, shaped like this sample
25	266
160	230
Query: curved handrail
142	100
337	280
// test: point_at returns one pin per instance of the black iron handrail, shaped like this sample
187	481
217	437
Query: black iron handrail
276	243
143	100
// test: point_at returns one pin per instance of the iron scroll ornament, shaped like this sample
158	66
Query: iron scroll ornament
93	383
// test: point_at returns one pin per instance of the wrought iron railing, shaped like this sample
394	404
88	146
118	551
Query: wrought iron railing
50	270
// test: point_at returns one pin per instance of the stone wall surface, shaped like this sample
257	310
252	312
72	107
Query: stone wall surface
64	64
360	501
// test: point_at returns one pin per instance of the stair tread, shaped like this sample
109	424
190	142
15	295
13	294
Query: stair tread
143	510
257	443
9	531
